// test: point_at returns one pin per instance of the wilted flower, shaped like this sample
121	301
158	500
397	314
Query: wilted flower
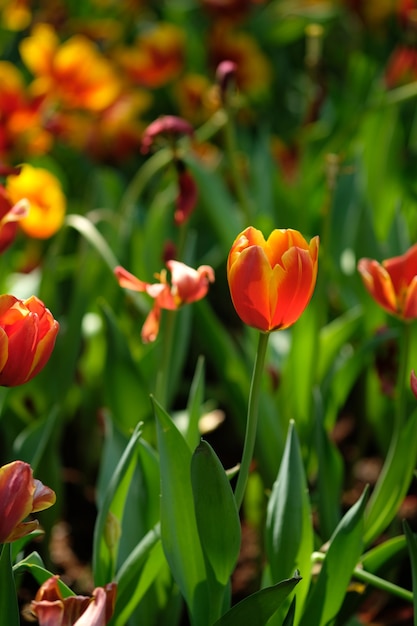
20	495
225	75
27	338
44	196
271	282
169	126
187	285
393	283
52	609
187	195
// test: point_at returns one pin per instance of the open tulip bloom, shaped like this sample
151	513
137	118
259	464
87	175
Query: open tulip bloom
271	281
187	285
393	283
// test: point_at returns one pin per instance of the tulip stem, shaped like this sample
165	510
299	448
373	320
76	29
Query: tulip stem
402	376
252	419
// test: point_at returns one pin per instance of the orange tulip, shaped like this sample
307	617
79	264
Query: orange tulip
393	283
20	495
27	337
45	199
271	282
187	285
51	608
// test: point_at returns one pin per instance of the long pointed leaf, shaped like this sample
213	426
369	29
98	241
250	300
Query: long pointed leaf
289	531
9	609
179	532
259	607
393	482
216	512
412	548
341	558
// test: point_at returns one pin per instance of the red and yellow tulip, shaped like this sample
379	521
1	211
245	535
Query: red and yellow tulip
45	199
393	283
20	495
27	338
271	281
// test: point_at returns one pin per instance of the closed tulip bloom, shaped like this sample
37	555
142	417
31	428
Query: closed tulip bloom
393	283
27	337
271	281
20	495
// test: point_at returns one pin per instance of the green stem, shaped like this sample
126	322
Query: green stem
231	151
252	419
370	579
402	376
162	379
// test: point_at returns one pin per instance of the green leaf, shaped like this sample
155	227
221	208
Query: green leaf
216	512
343	553
384	554
179	532
35	566
330	474
289	532
195	401
333	336
113	503
259	607
9	608
136	575
394	480
412	548
31	444
126	393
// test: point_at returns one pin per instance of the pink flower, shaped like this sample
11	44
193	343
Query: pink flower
52	609
187	285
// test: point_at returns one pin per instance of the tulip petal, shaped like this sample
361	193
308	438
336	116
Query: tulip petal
128	280
43	498
249	280
49	613
378	283
294	287
150	329
188	284
95	614
410	304
402	269
16	492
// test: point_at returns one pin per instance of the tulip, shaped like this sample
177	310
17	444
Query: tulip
393	283
52	609
20	495
43	194
187	285
271	282
27	337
